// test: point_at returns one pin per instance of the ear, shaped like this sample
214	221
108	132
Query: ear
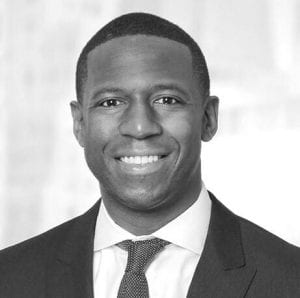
210	118
78	122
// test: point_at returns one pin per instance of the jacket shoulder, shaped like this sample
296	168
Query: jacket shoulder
269	251
25	268
31	255
277	262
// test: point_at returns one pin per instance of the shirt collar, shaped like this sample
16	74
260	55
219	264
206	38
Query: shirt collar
180	231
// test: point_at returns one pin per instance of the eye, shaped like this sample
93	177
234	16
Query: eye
167	100
112	102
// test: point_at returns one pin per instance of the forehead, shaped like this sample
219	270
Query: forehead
139	57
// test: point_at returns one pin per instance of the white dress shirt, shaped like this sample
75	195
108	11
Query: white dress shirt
170	273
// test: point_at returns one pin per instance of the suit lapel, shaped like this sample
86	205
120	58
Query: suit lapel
70	274
222	270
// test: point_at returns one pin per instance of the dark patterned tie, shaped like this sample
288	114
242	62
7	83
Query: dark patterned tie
140	254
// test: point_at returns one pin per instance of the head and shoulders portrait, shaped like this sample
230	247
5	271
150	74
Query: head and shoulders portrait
144	112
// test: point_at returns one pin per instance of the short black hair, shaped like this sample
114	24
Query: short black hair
143	24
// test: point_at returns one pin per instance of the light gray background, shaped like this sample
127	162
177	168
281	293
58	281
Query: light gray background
252	48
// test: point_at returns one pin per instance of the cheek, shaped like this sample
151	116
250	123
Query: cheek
185	129
99	132
100	129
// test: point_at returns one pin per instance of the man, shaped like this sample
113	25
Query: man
143	107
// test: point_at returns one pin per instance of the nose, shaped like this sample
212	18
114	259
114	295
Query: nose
139	121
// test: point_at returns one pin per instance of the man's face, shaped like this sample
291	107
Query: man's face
141	121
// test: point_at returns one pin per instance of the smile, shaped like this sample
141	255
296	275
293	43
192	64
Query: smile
141	159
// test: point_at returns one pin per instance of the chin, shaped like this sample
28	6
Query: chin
142	199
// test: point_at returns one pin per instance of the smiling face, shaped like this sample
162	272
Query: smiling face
141	123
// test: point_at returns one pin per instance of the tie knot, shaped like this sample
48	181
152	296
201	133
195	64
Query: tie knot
141	253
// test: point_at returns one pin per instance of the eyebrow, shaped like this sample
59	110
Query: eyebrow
97	92
151	88
169	86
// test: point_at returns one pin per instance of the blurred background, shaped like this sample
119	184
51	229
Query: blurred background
252	49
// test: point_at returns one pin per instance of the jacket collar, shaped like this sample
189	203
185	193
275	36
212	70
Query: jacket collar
222	269
71	273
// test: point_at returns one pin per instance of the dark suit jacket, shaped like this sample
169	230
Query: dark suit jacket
239	259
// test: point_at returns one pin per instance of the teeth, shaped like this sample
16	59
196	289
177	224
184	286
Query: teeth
140	160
